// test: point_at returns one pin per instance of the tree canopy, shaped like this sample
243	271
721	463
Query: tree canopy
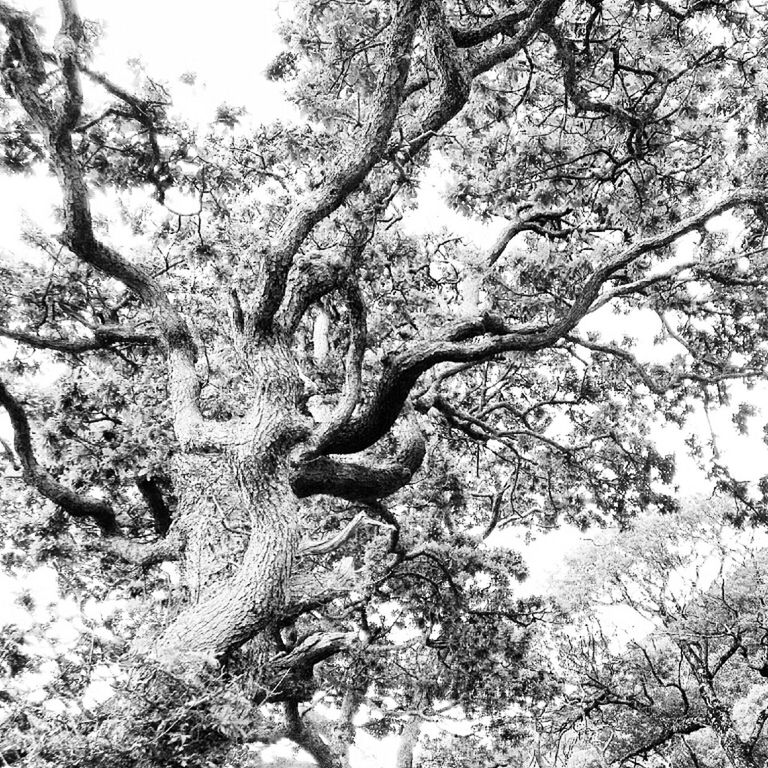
267	446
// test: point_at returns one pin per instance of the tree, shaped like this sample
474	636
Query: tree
690	687
281	390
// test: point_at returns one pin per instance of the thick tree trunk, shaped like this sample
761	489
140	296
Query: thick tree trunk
238	517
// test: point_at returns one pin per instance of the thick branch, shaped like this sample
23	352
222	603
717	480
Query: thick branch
42	480
67	41
450	81
347	171
541	15
361	480
143	553
503	24
301	732
105	336
481	338
312	279
153	497
331	544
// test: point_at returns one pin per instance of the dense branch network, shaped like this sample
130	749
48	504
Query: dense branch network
288	286
371	445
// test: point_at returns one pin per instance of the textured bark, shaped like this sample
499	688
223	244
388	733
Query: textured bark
238	517
309	739
236	482
366	479
347	172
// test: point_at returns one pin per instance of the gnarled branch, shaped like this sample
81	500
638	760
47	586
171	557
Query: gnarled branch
23	74
42	480
364	480
105	336
347	171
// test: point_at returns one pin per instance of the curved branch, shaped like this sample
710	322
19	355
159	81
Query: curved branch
675	380
311	279
683	728
577	94
345	174
331	544
451	80
361	480
143	113
481	338
504	24
358	340
42	480
535	20
528	221
23	73
303	734
143	553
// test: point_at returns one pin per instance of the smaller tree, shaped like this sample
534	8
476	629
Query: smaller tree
665	656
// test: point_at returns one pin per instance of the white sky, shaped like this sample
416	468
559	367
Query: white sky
229	43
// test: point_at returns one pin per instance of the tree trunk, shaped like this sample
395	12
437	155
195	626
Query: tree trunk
409	738
238	517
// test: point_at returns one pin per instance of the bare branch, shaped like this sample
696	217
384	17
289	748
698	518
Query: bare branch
305	735
535	20
576	93
142	112
503	24
312	279
525	221
143	553
361	480
481	338
331	544
683	728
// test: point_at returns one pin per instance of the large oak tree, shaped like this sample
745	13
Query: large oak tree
324	417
